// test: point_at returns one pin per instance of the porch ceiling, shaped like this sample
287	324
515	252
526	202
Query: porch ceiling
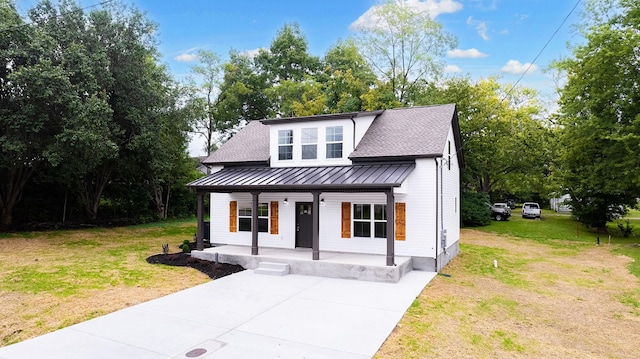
361	178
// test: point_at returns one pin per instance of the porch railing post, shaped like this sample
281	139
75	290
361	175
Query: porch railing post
200	232
391	226
315	244
254	223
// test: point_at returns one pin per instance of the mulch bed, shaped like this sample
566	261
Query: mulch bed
212	269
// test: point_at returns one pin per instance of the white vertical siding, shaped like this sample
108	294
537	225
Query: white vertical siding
451	193
421	211
286	215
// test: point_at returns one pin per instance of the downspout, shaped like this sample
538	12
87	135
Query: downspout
354	133
437	239
443	231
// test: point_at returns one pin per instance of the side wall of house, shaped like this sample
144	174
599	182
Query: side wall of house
451	203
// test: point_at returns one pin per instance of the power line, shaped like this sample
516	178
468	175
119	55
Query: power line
513	87
542	50
10	28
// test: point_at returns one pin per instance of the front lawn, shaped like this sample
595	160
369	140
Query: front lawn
554	293
53	279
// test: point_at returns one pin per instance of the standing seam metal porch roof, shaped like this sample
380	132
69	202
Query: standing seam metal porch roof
327	178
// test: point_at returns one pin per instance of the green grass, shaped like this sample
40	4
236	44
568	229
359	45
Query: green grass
65	263
508	269
562	232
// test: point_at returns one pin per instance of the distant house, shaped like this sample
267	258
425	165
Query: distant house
561	204
382	182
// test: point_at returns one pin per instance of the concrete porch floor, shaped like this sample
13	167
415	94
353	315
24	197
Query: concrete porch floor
368	267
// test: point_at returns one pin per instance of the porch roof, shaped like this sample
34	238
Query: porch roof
361	178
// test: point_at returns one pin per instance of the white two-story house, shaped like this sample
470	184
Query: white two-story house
382	182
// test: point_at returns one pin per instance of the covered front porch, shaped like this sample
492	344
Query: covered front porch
362	178
368	267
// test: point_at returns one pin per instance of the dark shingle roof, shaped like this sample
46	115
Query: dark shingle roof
250	144
407	132
327	178
403	133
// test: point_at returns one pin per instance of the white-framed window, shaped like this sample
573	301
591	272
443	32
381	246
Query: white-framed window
334	141
285	145
245	218
367	224
309	140
380	220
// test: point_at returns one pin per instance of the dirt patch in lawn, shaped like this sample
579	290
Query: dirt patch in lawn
211	269
552	300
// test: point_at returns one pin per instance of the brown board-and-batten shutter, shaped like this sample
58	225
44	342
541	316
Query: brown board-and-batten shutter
233	216
346	219
274	217
401	223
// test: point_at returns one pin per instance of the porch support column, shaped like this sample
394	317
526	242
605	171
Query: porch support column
315	238
254	224
391	227
200	232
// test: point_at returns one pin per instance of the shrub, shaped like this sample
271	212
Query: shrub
474	209
185	248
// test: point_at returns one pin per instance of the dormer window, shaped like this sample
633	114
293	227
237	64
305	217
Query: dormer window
334	142
309	141
285	145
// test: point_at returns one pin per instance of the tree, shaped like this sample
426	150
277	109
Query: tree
599	107
36	98
242	92
288	69
346	77
205	98
405	47
504	141
287	57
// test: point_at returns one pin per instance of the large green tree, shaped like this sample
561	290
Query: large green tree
600	114
404	46
83	95
505	140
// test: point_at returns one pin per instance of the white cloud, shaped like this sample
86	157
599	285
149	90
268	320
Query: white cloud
186	57
452	68
481	27
432	7
253	53
482	30
516	68
472	53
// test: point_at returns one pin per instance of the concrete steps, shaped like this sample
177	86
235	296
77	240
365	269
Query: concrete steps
272	268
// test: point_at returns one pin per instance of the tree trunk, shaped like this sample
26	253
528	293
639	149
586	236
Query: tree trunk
12	181
158	199
91	192
166	202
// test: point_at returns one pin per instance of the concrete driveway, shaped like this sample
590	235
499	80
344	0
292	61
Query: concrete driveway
244	315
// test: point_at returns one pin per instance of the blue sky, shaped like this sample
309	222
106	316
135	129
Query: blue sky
495	37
